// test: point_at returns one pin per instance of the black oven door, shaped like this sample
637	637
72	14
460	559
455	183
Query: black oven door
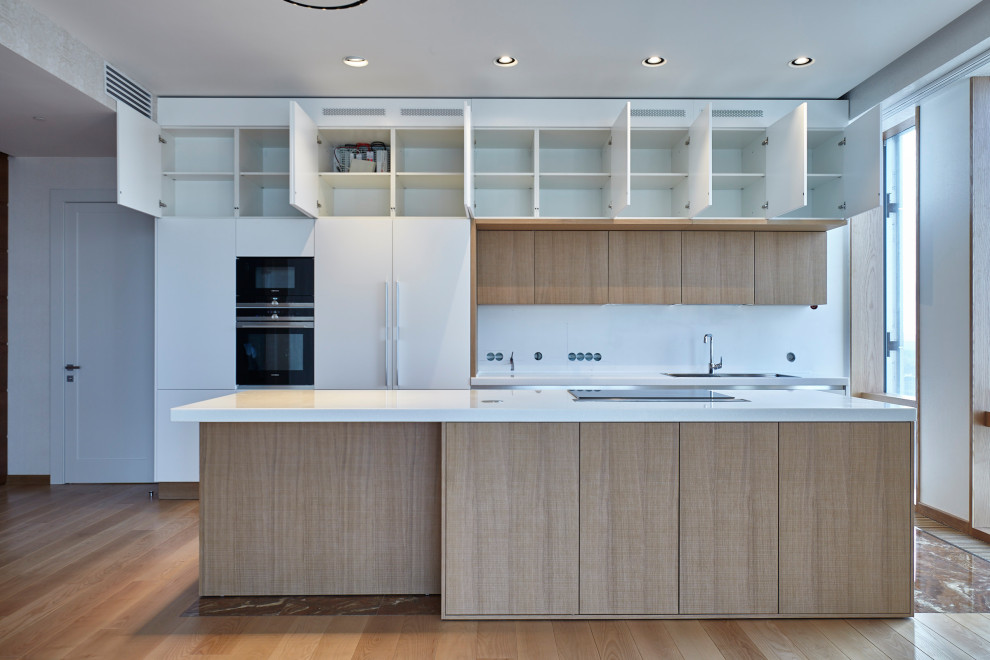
274	354
275	279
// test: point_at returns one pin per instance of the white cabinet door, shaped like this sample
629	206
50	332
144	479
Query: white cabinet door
432	273
468	161
304	162
862	163
353	282
139	162
275	237
700	162
194	303
787	163
620	159
177	443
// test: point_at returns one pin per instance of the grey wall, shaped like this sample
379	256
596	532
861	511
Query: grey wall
31	183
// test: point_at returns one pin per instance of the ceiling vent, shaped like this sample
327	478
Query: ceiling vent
737	113
125	90
658	112
353	112
432	112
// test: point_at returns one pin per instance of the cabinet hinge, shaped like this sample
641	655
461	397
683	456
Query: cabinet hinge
688	205
319	140
162	140
687	142
842	142
765	206
318	205
842	206
610	140
766	141
162	205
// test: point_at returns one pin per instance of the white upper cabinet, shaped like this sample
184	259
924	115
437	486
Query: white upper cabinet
304	161
787	163
619	157
699	169
139	162
862	163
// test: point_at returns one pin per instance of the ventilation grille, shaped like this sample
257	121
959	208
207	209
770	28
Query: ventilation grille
353	112
125	90
737	113
658	112
432	112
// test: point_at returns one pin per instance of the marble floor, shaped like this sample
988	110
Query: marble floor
947	579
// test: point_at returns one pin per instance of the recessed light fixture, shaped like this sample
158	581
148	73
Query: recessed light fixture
799	62
330	4
654	60
506	60
352	60
39	118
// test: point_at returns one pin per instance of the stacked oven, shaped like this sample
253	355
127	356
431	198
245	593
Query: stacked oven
275	321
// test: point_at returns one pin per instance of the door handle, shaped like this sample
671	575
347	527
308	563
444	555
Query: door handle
72	367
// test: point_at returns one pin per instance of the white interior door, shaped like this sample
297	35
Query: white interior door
353	294
621	193
304	162
700	162
431	265
862	167
787	163
468	161
139	161
108	323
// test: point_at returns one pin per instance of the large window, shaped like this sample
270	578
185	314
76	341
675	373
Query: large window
900	260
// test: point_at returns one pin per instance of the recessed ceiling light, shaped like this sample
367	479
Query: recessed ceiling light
329	4
654	60
506	60
355	61
801	61
39	118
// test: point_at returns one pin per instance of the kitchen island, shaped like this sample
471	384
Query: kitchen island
532	504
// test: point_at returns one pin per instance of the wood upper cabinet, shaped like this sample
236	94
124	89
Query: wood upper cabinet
629	481
644	267
728	512
505	267
511	519
571	267
846	537
717	267
791	268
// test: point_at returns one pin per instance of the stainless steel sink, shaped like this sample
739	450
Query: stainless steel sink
724	375
649	394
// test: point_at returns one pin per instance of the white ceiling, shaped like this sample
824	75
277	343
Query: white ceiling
565	48
445	48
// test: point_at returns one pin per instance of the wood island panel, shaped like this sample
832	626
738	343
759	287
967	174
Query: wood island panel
505	268
644	267
629	490
511	519
717	268
846	536
333	508
571	267
728	518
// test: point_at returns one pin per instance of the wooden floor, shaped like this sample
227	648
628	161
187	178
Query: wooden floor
106	572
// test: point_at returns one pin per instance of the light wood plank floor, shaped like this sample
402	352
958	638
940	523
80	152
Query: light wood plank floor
106	572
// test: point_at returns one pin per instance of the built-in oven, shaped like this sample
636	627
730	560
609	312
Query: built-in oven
274	345
275	280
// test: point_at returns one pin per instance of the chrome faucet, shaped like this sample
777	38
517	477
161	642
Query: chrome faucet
711	355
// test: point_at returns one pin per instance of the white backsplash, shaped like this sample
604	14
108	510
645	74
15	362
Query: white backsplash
662	338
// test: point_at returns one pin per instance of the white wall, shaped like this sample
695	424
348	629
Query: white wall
651	338
29	325
943	281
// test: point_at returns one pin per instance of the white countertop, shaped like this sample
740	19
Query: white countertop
555	405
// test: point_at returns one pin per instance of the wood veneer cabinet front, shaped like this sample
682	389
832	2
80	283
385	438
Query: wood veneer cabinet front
846	535
717	267
510	519
571	267
505	267
791	268
629	482
332	508
644	267
728	530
